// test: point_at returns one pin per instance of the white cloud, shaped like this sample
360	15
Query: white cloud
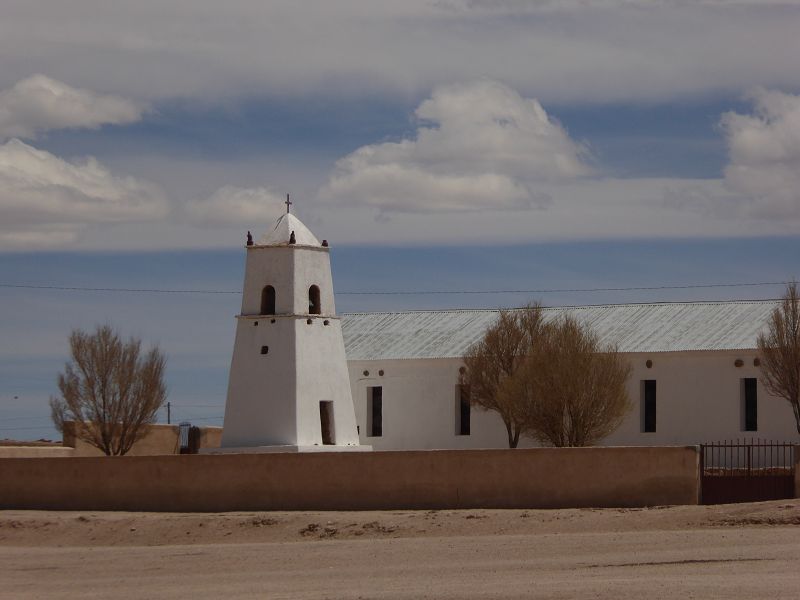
594	208
45	200
764	152
231	205
571	50
583	210
479	146
39	104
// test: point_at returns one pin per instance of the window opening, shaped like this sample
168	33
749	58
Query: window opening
649	406
268	300
264	349
462	409
375	411
314	307
750	398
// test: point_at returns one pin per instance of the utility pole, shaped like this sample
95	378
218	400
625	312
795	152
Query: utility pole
168	413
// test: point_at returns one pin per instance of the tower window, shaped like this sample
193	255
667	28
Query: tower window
314	307
374	411
649	405
750	403
268	300
264	349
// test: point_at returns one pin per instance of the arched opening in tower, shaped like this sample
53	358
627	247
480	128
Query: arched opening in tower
314	306
268	300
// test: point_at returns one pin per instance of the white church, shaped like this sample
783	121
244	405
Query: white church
303	378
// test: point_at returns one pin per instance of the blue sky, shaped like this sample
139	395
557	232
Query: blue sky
438	145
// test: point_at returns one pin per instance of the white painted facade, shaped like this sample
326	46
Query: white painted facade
699	392
288	386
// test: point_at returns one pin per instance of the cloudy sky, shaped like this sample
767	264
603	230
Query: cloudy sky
442	144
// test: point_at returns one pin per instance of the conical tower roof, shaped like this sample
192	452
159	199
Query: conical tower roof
284	226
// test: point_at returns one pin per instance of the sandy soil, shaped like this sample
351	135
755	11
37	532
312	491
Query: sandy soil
729	551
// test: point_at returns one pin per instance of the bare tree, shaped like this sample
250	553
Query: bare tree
572	389
109	391
490	364
779	348
553	381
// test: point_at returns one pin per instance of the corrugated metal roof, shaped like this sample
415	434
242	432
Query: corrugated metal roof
667	327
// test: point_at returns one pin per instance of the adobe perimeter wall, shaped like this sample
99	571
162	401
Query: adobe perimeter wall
434	479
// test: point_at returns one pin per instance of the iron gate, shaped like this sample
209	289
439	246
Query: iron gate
746	471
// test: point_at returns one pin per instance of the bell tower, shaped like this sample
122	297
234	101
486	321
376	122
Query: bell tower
288	389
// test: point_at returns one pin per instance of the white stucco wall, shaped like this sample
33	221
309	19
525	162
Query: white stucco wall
322	376
260	408
291	270
312	266
265	265
419	406
699	399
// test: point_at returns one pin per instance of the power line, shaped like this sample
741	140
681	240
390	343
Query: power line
564	290
128	290
408	292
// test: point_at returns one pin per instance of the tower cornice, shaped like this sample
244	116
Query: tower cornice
289	246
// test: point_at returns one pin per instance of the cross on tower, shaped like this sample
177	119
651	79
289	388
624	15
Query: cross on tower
288	203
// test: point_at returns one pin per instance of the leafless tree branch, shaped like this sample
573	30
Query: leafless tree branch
553	381
109	392
779	348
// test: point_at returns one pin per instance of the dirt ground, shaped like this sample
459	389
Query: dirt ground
728	551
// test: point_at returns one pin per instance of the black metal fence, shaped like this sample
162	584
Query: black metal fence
746	471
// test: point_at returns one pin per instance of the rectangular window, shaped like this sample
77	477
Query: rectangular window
462	410
374	411
649	405
750	403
